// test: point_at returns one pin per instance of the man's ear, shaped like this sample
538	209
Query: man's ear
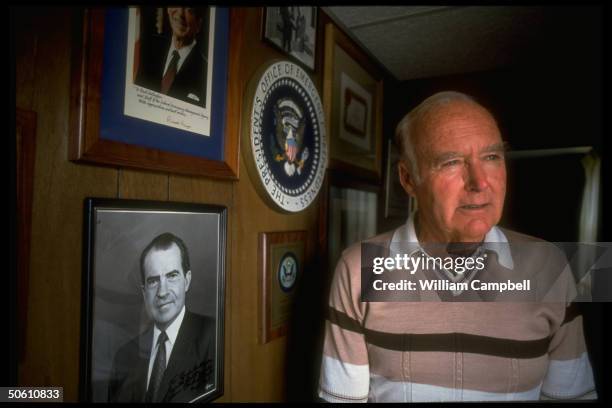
188	280
406	178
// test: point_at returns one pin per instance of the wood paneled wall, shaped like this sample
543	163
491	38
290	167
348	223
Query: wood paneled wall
253	372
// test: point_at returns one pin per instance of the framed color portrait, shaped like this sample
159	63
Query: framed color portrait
352	97
281	267
293	30
153	301
150	90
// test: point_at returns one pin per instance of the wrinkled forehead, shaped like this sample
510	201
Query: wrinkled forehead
160	260
458	122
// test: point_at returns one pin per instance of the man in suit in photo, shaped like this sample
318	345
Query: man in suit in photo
177	66
173	359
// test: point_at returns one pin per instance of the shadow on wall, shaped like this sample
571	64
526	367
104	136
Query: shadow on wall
305	333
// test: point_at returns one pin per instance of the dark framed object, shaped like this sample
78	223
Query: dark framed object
398	203
352	96
292	30
121	116
281	266
352	213
177	287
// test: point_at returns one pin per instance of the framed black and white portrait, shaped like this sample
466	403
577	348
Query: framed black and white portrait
153	296
293	30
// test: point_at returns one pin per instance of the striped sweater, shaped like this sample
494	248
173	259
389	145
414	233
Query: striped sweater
449	351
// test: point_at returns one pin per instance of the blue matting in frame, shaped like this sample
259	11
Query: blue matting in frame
116	126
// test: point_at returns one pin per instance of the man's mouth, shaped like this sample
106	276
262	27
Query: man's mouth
162	305
473	206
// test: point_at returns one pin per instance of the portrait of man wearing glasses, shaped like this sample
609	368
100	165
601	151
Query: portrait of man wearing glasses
172	360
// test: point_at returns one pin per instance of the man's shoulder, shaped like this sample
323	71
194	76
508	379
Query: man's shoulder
536	253
198	322
529	243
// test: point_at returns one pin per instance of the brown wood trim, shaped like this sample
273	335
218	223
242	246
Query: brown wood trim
233	112
264	311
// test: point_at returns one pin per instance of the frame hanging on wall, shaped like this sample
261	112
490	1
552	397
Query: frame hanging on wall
292	30
151	267
131	106
352	96
281	266
398	203
352	213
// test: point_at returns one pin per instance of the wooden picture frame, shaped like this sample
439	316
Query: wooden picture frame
352	96
301	40
116	121
124	308
281	266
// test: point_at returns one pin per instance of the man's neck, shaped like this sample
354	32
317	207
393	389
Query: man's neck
440	244
164	327
180	43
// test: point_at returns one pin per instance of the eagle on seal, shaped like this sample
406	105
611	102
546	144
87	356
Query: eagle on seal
289	135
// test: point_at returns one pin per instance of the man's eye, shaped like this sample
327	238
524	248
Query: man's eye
152	281
493	157
450	163
172	275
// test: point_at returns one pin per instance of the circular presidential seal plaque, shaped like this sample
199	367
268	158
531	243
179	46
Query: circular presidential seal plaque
286	150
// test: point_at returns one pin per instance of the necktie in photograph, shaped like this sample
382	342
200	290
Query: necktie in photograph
170	73
159	366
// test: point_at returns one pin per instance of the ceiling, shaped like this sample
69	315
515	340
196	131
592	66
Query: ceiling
427	41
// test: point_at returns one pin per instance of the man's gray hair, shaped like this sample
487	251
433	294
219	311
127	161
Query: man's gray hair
404	137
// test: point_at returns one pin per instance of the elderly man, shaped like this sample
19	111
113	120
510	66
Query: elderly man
177	66
457	345
171	361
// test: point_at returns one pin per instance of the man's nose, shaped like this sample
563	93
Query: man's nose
476	177
162	290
